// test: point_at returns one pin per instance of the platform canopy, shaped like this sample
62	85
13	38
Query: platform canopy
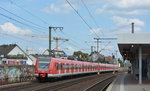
129	44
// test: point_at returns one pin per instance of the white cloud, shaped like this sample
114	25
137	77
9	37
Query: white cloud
10	28
70	49
123	25
59	8
96	31
121	12
120	21
52	9
125	7
131	3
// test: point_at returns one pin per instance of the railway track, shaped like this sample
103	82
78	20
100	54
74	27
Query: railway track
78	84
75	84
14	87
101	85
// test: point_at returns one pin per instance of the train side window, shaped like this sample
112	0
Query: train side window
59	66
56	65
62	66
70	66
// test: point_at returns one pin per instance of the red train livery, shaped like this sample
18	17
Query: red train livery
50	67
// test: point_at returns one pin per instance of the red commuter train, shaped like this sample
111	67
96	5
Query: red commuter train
50	67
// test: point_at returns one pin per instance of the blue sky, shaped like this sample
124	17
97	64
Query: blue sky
111	16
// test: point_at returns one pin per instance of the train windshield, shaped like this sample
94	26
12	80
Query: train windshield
43	63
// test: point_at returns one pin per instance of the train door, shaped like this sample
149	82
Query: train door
91	67
65	68
99	67
75	67
59	68
62	68
78	66
56	68
87	68
67	65
72	69
82	68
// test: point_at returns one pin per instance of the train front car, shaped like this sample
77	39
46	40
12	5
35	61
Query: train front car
42	68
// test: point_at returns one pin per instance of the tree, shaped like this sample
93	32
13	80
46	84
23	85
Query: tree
82	56
100	60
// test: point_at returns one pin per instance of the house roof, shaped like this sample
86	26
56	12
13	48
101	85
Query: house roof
101	56
5	49
109	58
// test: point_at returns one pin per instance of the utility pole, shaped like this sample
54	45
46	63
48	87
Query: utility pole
102	39
50	34
50	29
92	49
97	43
132	27
57	39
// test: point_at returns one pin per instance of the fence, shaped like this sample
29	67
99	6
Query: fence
16	73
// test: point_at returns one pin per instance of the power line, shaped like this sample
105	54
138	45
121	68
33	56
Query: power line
22	18
76	46
19	22
72	42
66	35
29	12
16	37
81	17
105	46
91	15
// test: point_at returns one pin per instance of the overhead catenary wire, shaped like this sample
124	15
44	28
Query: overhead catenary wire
76	46
23	18
37	17
105	46
66	35
81	18
91	15
73	43
20	22
16	37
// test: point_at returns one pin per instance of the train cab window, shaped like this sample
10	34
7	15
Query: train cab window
43	63
56	65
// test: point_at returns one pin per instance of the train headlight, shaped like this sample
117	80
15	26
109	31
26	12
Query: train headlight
49	71
36	70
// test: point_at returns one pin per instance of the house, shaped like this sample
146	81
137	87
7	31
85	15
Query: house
46	52
55	53
34	57
96	56
13	54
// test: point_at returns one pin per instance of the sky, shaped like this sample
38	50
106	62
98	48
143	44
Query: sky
82	21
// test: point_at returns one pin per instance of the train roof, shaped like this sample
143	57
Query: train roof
81	62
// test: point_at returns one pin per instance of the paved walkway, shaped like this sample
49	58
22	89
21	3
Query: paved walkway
126	82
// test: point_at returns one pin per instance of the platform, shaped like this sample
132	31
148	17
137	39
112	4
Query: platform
126	82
